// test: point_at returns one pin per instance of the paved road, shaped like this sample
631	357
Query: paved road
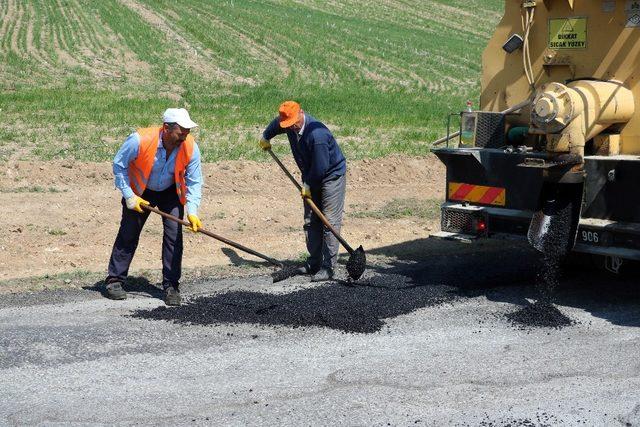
437	350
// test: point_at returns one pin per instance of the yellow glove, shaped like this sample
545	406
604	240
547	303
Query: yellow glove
264	144
134	203
195	222
305	191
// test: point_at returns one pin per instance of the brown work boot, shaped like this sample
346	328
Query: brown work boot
115	291
172	296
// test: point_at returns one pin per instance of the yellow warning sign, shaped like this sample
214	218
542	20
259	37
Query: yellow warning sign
568	33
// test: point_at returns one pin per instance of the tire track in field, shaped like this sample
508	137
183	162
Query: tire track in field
66	41
433	19
70	47
16	30
62	47
107	53
55	35
30	46
7	13
8	17
96	49
194	53
451	17
390	69
71	41
390	61
60	35
411	12
242	33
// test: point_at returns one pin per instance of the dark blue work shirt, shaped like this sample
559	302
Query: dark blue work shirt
316	151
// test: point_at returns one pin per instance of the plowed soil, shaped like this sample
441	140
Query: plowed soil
63	216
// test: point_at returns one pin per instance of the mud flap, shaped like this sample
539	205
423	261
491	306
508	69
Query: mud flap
554	226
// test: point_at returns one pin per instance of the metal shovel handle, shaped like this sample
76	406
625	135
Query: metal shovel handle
312	205
215	236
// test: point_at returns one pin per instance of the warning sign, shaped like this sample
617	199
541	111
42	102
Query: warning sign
568	33
632	8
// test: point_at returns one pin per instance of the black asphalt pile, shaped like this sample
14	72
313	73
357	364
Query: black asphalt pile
540	314
351	309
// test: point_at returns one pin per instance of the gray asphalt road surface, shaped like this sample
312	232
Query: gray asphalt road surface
415	342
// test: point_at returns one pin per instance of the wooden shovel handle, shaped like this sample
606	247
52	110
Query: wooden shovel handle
215	236
312	205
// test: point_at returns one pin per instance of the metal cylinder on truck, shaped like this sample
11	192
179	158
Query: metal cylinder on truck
569	115
588	46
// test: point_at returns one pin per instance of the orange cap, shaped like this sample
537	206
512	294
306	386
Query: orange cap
288	113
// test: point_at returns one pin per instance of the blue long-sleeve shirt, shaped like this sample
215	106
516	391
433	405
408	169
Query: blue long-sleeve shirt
316	151
162	173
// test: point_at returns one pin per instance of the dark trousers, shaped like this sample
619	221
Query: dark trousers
129	235
321	243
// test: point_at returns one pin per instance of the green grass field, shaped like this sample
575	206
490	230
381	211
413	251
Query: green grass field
76	76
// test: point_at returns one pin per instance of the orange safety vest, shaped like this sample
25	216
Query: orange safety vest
140	167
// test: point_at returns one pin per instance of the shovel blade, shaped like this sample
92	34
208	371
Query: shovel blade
283	274
357	263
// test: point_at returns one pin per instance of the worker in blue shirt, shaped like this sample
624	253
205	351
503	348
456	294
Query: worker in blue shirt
157	166
323	168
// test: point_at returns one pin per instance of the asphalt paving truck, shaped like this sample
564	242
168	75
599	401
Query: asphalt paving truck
552	154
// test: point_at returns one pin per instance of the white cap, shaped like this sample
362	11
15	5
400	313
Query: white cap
179	116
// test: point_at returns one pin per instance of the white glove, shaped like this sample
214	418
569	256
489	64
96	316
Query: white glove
134	203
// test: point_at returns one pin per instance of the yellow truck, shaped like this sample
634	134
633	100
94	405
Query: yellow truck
553	152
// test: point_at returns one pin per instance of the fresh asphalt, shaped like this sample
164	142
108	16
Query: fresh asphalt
422	341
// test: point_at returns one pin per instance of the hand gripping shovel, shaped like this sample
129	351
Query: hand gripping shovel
277	276
357	258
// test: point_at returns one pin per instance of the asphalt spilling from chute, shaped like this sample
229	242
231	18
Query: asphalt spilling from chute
543	312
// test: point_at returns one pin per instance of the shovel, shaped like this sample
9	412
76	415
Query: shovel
357	258
277	276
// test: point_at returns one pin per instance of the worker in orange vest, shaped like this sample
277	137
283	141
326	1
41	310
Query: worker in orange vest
156	166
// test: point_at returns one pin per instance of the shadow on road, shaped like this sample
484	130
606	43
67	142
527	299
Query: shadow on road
414	275
397	287
239	261
615	298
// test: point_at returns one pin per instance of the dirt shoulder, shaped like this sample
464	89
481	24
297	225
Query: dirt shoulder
62	217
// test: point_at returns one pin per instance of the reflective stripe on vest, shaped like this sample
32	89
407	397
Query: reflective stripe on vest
140	167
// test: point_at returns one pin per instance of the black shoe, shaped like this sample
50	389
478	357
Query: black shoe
115	291
323	275
172	296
